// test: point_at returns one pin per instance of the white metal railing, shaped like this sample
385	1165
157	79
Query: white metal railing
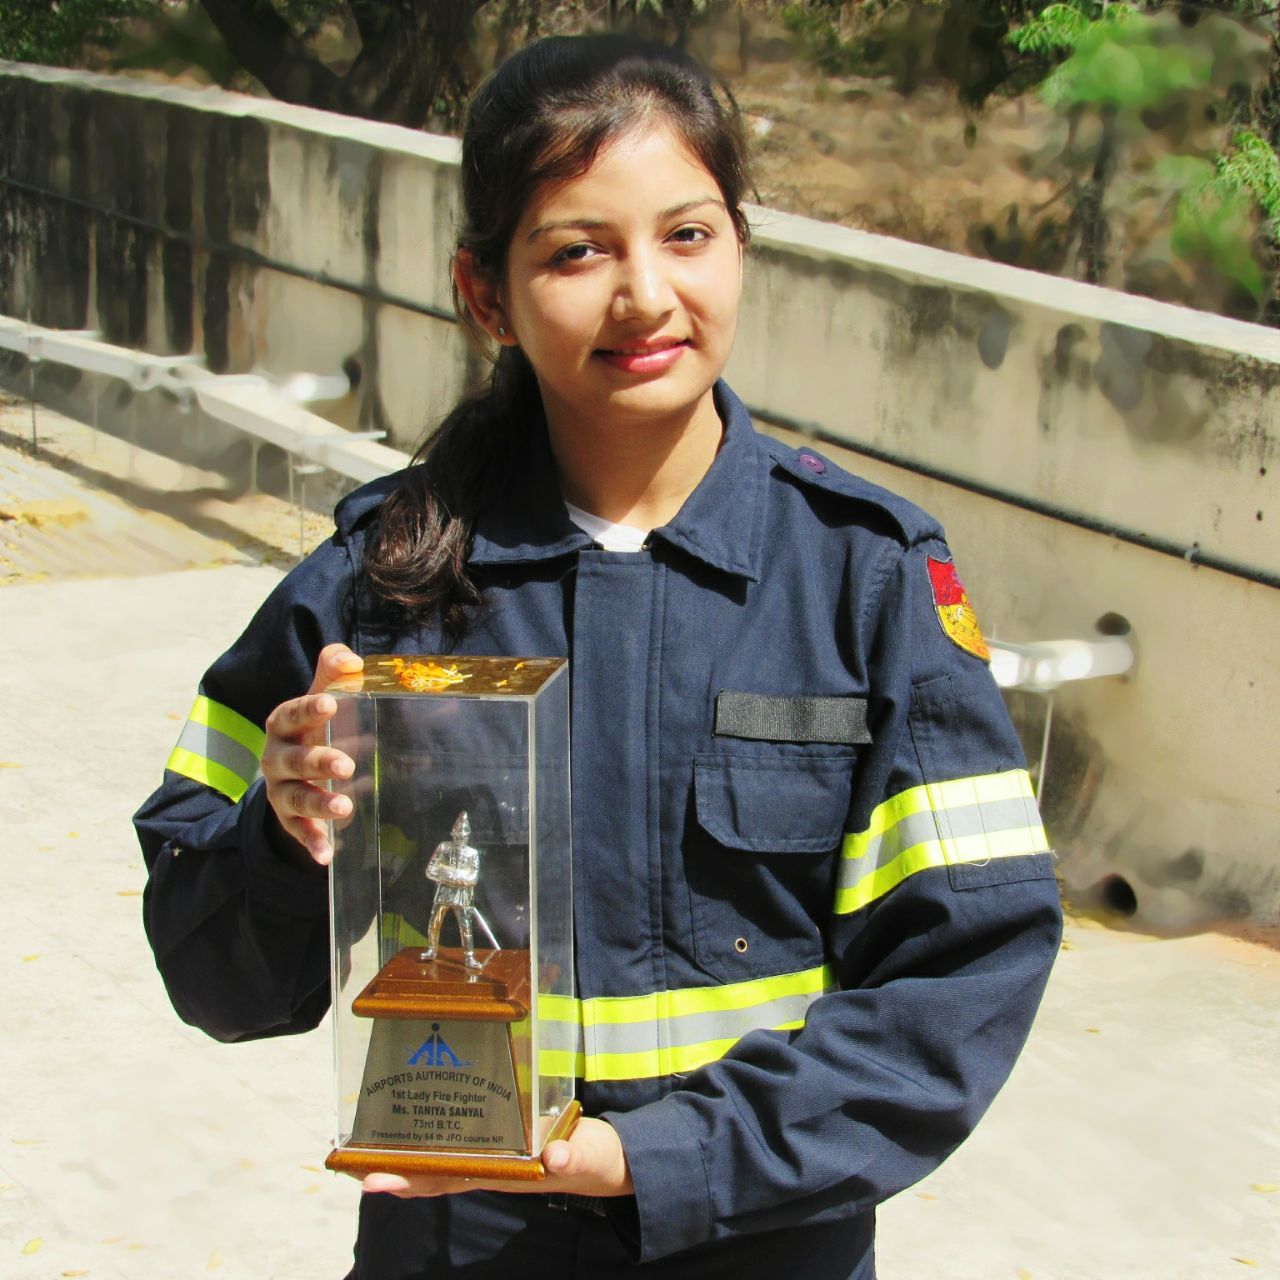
269	410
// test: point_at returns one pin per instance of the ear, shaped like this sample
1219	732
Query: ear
480	292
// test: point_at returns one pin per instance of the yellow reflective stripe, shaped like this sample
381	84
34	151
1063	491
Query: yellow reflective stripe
665	1005
668	1015
223	720
964	820
209	772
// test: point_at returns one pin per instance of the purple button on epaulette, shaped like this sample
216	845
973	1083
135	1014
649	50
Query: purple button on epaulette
816	465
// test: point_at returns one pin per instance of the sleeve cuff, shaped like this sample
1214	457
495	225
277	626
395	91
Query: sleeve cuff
672	1193
296	888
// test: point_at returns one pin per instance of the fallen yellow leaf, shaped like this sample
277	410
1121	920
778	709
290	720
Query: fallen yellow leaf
35	955
9	764
113	1240
128	893
1067	945
924	1195
1024	1274
1248	1262
175	715
29	1142
311	1190
1264	1187
32	1246
1094	1031
73	835
215	1261
75	1273
311	1168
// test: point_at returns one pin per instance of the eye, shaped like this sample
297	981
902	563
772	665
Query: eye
579	252
691	233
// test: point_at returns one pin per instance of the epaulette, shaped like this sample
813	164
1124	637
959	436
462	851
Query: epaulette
361	502
811	468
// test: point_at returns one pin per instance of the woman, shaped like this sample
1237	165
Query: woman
801	817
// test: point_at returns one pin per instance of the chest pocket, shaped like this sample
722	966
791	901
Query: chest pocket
762	832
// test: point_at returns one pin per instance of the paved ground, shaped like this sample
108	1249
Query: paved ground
1138	1140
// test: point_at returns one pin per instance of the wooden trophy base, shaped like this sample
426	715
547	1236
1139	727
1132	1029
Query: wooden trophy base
445	1089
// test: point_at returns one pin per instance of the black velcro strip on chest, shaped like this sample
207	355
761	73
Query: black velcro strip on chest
762	717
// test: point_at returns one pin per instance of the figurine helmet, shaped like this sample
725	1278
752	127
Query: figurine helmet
461	832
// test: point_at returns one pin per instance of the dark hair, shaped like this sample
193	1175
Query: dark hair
544	115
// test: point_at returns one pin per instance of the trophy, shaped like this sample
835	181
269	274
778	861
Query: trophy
450	892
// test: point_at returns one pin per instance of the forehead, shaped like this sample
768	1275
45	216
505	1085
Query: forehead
647	168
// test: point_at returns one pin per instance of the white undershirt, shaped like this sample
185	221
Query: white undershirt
612	537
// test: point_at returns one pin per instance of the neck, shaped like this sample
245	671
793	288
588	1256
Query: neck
637	473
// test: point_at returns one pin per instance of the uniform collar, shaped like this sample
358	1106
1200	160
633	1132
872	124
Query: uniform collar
720	524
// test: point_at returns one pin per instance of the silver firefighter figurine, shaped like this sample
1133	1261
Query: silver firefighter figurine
455	868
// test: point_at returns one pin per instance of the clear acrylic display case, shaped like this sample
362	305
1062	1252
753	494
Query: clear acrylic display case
451	917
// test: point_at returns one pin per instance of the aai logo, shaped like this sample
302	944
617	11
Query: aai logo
435	1052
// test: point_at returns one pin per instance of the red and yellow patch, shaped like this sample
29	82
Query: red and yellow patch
955	612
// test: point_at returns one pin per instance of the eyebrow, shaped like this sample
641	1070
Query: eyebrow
596	224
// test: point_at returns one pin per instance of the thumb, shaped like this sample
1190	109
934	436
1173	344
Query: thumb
560	1157
334	662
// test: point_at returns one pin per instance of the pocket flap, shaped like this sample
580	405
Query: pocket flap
773	806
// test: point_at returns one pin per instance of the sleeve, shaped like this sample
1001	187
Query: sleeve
945	922
237	923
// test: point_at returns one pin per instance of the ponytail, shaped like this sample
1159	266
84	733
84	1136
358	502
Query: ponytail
416	560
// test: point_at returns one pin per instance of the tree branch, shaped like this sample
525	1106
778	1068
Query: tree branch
264	45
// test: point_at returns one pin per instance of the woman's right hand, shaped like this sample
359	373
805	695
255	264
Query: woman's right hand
297	764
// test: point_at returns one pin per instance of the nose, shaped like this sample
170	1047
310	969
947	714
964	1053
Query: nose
644	291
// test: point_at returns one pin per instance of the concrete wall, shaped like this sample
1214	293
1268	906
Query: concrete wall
1093	455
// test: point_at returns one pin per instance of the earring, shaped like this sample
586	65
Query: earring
502	333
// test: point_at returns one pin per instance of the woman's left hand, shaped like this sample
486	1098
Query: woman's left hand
590	1162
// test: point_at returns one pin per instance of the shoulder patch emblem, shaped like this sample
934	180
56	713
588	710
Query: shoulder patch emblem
955	613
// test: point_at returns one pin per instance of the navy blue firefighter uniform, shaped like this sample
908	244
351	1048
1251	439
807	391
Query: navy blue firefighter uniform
814	905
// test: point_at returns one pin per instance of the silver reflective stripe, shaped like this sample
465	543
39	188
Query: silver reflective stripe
939	824
691	1028
216	747
919	828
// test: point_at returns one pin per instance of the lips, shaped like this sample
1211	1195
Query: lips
644	357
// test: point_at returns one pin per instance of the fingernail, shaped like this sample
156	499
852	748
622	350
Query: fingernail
555	1159
340	806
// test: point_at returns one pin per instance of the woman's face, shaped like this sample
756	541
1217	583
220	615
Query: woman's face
622	287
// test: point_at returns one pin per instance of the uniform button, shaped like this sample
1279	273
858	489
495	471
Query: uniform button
816	465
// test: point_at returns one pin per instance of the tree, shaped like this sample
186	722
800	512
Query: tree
413	62
1131	69
55	31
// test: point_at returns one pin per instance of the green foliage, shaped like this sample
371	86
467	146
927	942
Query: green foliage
1062	27
1252	165
819	38
1215	218
54	31
1130	64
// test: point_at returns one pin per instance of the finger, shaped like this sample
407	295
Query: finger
300	717
305	800
313	836
418	1186
334	662
306	762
